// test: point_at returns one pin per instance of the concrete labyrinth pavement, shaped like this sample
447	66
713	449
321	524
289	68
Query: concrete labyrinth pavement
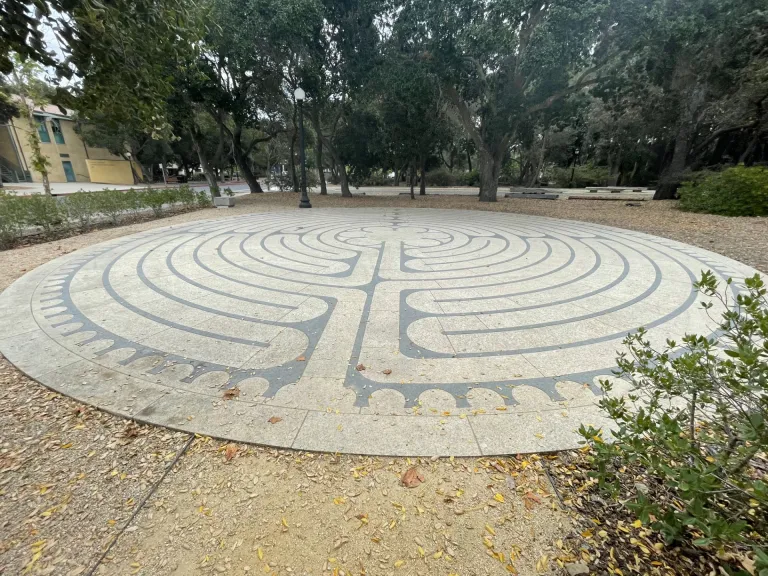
373	331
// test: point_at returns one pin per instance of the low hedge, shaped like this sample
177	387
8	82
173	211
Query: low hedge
78	210
737	191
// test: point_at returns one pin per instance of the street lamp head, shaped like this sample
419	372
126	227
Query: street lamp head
300	95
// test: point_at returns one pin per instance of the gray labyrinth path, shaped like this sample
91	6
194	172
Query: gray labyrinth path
479	333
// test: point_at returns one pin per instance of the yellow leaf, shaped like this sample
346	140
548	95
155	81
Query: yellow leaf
437	555
490	530
285	523
260	553
498	497
421	550
399	563
67	445
637	523
487	543
392	524
339	501
543	564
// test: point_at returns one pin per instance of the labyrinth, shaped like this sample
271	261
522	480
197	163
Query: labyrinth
371	331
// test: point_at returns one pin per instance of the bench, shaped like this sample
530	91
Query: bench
613	189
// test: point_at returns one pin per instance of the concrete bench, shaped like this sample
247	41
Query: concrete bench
613	189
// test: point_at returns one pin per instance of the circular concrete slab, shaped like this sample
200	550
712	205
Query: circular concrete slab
389	332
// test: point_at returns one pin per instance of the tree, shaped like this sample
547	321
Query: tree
33	93
501	62
244	58
412	111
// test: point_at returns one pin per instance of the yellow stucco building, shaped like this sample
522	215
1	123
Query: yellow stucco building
71	160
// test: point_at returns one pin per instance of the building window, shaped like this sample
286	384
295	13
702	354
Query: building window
42	130
64	155
58	135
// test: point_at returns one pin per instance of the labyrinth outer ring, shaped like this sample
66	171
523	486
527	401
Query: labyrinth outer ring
478	333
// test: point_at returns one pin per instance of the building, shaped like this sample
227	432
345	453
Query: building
71	160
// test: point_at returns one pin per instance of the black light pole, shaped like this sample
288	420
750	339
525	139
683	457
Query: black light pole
300	96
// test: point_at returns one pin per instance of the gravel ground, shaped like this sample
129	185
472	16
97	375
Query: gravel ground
71	476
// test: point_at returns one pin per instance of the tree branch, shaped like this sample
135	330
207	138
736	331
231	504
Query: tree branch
562	94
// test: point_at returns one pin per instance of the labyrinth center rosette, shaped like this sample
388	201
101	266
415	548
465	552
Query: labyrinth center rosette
482	332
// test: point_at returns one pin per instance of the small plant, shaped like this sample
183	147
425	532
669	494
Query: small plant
42	210
12	217
737	191
471	178
80	207
203	199
155	199
110	203
187	196
228	192
697	421
133	202
442	178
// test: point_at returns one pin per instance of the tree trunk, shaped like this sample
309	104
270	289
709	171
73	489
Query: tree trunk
396	181
412	178
686	131
341	170
320	170
489	165
292	163
469	161
423	183
672	175
315	118
205	166
241	159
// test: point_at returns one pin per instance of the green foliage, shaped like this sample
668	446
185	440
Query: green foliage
186	196
42	210
228	192
80	207
156	199
203	199
12	218
583	176
696	421
737	191
471	178
110	203
442	177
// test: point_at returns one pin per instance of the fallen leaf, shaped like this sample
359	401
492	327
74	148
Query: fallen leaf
274	420
387	371
412	477
360	367
230	451
498	497
301	359
231	394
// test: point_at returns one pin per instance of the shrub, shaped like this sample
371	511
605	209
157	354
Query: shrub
203	199
42	210
133	201
441	178
583	176
697	422
12	217
187	196
471	178
228	192
737	191
80	207
110	203
155	199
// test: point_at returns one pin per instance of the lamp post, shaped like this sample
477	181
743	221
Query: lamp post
300	97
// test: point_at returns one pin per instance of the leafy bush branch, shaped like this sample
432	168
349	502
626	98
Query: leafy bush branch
696	421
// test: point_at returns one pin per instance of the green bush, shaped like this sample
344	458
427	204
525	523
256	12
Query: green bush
187	196
471	178
155	199
12	218
110	203
203	199
696	420
442	178
133	201
80	207
42	210
737	191
583	176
